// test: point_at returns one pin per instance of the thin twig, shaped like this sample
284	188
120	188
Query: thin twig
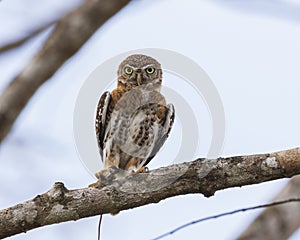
25	38
225	214
99	226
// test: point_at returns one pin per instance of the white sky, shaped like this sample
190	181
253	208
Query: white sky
251	52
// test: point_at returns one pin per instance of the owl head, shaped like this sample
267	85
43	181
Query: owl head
139	70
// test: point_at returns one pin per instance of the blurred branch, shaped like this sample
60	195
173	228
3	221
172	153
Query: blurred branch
70	33
201	176
281	203
279	222
25	38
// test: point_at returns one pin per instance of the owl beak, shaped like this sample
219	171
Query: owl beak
139	79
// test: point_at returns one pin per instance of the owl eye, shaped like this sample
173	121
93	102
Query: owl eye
150	70
128	70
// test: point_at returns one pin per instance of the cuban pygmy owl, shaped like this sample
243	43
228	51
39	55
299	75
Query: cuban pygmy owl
133	121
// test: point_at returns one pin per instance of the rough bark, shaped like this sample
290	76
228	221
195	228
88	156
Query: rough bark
278	222
70	33
134	190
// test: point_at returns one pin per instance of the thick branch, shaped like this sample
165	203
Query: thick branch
200	176
68	36
278	222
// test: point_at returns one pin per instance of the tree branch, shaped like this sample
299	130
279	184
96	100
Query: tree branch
70	33
279	222
200	176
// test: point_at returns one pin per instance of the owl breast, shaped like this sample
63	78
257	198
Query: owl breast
134	129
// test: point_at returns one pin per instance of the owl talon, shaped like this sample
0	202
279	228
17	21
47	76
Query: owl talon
96	185
108	175
142	170
98	174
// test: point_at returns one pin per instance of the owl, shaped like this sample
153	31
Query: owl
133	121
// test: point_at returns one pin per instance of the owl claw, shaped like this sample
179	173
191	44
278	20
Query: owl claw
108	175
96	184
142	170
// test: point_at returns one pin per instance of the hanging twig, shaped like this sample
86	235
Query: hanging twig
99	226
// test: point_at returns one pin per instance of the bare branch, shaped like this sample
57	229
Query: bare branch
279	222
200	176
70	33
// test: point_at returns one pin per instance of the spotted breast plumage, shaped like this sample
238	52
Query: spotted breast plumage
133	121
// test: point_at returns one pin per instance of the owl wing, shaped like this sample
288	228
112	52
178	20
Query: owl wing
101	119
166	128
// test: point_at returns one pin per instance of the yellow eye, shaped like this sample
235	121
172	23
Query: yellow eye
128	70
150	70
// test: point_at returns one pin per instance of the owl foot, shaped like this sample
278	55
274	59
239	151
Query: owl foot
108	175
142	170
96	185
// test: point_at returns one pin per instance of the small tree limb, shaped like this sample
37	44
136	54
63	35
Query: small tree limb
70	33
20	41
278	222
200	176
